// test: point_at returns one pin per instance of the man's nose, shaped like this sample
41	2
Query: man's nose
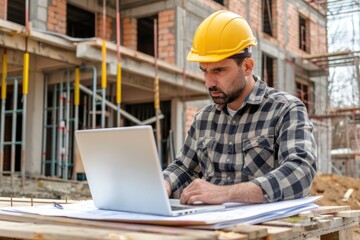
210	81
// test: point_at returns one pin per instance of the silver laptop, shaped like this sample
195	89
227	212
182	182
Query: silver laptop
124	174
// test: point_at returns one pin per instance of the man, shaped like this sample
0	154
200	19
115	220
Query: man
255	143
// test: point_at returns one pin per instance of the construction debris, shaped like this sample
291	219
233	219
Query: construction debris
45	188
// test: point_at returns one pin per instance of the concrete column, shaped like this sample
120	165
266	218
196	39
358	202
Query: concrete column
181	48
38	14
177	122
34	120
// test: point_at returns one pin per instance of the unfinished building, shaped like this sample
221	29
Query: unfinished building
77	64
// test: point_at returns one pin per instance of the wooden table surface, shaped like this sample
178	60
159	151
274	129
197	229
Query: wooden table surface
325	223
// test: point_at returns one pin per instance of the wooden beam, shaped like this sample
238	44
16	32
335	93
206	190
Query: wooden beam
252	231
126	227
47	231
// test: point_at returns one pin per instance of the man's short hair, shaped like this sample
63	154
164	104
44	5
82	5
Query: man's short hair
239	57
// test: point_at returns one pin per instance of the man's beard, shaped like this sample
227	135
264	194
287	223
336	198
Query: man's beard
229	97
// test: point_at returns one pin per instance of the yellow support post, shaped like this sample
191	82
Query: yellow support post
157	94
26	74
103	65
4	75
77	87
118	84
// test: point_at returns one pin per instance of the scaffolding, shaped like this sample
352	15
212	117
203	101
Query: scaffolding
344	88
61	118
61	109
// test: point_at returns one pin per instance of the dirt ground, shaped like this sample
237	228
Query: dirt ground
48	188
333	189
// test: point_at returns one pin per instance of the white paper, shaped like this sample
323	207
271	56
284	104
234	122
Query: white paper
232	214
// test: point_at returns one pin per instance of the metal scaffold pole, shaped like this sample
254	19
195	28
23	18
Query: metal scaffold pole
25	88
157	92
118	77
13	133
76	121
2	119
103	67
45	119
66	128
61	127
25	93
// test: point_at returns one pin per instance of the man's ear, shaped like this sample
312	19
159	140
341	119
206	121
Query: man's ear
248	65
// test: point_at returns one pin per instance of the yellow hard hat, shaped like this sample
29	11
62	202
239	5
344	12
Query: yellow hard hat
220	35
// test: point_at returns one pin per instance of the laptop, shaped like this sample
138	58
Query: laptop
124	174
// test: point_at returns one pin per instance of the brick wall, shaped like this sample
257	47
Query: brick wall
99	27
57	16
129	32
318	40
166	35
238	6
3	4
284	19
214	5
280	22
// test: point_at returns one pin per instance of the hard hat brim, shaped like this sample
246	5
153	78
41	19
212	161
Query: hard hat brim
193	57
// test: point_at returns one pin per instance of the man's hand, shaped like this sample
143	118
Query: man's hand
202	191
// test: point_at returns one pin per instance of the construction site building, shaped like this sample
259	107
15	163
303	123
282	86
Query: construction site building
54	80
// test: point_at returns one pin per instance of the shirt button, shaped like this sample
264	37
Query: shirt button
234	122
228	160
230	143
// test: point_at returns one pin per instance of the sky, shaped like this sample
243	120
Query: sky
343	34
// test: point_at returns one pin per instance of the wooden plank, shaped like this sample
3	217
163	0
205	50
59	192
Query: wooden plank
338	224
347	195
348	214
252	231
38	219
323	217
295	222
231	236
279	233
324	210
46	231
340	235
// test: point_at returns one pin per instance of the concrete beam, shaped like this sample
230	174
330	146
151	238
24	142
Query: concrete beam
42	49
13	36
143	65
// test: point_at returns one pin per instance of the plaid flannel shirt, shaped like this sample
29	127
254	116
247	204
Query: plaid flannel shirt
268	141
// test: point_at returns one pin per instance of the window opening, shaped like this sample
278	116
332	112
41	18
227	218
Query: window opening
16	11
268	70
145	32
79	23
267	16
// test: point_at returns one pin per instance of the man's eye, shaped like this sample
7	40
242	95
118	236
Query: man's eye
218	70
